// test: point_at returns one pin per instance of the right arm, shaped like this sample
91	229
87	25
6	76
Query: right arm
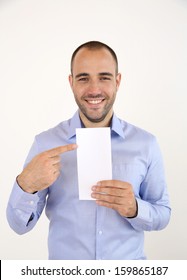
28	196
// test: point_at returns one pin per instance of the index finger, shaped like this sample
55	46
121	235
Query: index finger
61	149
113	183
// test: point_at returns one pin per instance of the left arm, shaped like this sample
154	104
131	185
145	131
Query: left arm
148	210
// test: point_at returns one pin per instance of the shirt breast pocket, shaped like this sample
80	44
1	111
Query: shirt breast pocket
131	173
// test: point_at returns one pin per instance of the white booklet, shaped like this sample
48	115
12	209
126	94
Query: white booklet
93	158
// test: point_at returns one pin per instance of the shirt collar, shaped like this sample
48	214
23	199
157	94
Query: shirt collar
116	126
75	122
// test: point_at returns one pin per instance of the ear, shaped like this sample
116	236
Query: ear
71	80
118	80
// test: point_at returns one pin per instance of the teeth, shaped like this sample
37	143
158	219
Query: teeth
94	101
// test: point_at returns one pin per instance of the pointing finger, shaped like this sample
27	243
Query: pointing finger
61	149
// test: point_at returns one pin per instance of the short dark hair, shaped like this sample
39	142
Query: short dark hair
94	45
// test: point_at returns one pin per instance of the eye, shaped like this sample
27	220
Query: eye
105	78
83	79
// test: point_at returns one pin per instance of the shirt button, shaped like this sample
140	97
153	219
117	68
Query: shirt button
31	202
100	232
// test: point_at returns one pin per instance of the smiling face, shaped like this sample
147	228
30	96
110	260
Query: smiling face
94	83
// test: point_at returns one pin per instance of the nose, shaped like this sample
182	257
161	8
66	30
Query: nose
94	87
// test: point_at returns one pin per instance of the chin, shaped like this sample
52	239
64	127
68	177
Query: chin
95	119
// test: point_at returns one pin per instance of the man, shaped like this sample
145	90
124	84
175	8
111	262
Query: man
136	200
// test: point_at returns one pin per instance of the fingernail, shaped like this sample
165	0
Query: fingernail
98	183
93	188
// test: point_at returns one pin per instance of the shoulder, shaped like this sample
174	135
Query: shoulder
53	137
141	140
56	130
133	131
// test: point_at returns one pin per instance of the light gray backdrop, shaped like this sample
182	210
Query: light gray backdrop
37	39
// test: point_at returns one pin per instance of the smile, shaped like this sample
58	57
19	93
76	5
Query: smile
94	101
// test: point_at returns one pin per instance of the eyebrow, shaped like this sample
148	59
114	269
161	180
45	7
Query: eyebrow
106	74
81	75
100	74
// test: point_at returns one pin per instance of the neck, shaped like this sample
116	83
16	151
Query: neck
103	123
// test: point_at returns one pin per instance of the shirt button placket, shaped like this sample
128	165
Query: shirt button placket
99	244
99	234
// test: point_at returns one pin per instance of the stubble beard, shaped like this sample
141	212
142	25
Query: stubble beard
97	116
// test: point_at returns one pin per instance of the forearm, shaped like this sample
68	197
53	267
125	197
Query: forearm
151	216
24	209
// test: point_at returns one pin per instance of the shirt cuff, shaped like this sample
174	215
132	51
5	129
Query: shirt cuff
20	199
143	219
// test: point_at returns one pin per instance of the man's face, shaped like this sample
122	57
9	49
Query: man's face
94	83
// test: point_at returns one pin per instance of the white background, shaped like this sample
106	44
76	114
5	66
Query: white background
37	38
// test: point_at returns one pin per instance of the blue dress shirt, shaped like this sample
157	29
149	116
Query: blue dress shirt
80	229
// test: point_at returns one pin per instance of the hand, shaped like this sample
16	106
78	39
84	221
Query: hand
43	169
117	195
